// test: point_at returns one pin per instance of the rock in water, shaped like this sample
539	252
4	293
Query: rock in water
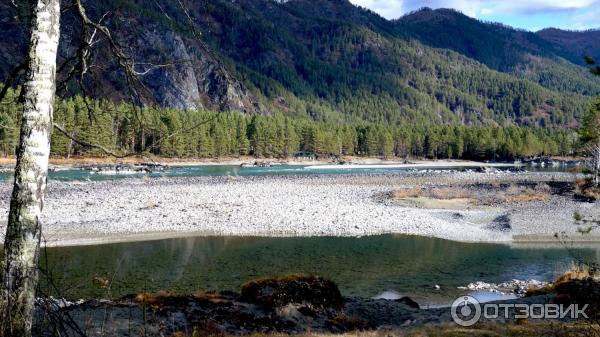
408	302
310	293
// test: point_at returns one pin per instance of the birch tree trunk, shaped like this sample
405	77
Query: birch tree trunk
23	232
596	162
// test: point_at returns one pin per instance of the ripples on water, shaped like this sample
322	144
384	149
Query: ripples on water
236	170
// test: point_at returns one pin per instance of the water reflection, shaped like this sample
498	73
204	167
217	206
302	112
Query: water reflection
365	267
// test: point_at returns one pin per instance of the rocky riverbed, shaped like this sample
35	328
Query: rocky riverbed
84	212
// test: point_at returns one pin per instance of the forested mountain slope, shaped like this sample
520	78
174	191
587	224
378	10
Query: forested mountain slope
334	62
548	57
578	43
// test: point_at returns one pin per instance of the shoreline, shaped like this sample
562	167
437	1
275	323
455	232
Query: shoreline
529	241
64	163
415	164
299	304
91	213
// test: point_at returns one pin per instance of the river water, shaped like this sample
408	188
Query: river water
236	170
365	267
388	265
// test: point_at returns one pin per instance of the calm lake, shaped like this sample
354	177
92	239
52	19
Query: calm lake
365	267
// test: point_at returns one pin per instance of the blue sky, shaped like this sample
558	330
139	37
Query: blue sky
526	14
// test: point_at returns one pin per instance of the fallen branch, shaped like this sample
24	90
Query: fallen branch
91	145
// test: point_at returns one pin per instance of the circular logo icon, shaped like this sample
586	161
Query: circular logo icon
466	311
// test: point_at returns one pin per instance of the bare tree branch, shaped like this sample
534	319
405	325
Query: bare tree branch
198	39
594	162
117	155
10	80
4	126
89	145
162	10
135	85
78	65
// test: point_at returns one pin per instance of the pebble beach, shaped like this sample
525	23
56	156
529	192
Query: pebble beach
85	212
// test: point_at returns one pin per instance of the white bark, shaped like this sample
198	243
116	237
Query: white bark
22	241
594	163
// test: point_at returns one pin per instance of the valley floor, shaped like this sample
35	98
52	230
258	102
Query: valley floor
81	213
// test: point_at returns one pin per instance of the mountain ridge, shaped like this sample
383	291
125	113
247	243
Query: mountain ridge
331	60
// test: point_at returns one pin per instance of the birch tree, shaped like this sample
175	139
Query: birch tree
590	128
594	151
590	135
22	241
23	233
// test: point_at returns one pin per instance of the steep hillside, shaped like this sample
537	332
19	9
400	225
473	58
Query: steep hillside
193	79
497	46
578	43
332	61
553	62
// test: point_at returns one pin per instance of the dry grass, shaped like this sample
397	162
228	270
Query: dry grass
585	188
526	197
162	297
577	286
210	296
446	193
440	193
519	328
522	194
577	272
152	298
407	193
496	194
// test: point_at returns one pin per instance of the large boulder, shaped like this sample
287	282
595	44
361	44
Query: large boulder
307	292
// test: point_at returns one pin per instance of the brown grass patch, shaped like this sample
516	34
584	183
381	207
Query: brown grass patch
526	197
210	296
407	193
152	298
495	194
579	285
440	193
584	188
577	272
447	193
523	194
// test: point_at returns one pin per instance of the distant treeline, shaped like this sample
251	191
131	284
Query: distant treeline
176	133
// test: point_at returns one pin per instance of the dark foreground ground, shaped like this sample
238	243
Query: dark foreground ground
301	305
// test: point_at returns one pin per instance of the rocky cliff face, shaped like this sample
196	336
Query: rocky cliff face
177	85
191	78
177	71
